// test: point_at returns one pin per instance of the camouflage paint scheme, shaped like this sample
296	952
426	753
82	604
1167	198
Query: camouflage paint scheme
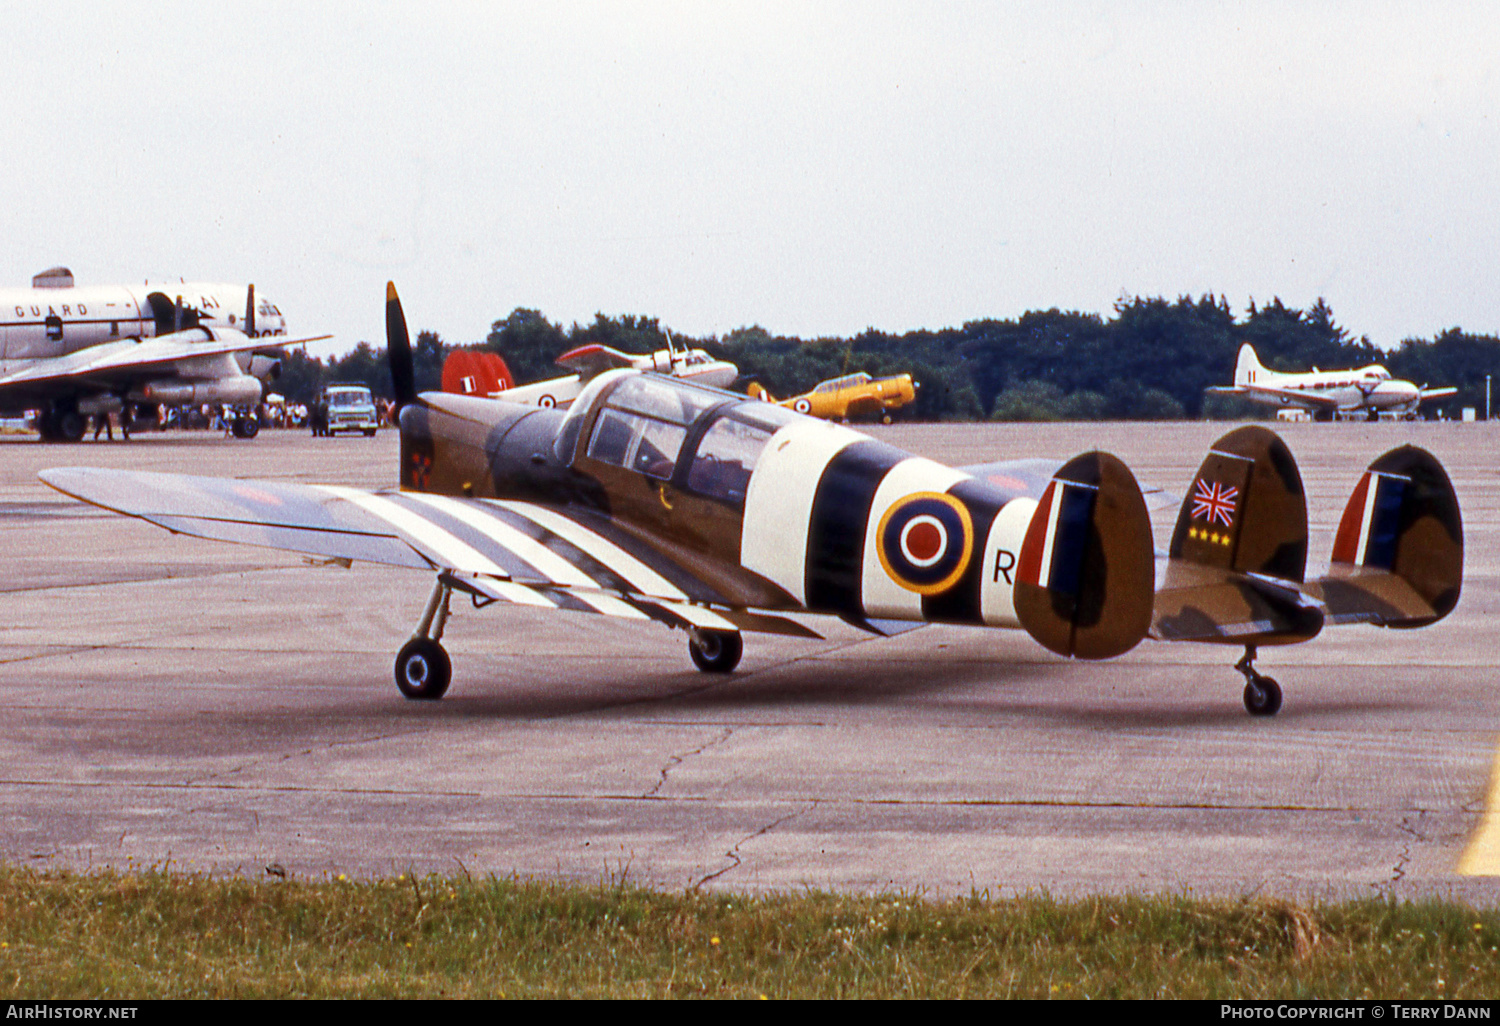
653	498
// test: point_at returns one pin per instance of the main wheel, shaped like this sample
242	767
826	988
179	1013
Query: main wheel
423	669
1263	697
70	426
716	651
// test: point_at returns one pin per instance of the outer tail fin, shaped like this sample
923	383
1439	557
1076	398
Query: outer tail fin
1247	369
1084	575
1398	558
1239	550
755	390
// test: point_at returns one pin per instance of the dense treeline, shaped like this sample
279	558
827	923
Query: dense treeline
1151	360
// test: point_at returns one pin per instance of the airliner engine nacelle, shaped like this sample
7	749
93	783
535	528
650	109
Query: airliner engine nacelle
176	391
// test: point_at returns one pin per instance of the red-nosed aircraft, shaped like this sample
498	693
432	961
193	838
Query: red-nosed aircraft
654	498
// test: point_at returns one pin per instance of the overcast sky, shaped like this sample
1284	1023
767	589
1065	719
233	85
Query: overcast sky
814	168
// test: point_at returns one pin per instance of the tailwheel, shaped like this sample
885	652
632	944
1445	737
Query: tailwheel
1262	693
423	669
715	651
1262	696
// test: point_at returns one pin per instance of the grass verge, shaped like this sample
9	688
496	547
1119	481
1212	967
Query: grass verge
161	935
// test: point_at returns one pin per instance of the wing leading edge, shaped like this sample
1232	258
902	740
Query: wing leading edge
493	550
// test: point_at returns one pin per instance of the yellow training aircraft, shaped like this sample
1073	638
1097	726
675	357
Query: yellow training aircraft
851	397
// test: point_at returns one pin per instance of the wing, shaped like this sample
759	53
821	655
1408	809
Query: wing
592	360
1303	397
146	355
1429	394
496	550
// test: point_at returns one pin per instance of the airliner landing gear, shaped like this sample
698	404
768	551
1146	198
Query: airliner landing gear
61	422
1262	694
423	669
715	651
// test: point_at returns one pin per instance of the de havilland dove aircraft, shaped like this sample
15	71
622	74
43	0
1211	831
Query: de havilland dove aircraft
654	498
1367	391
72	352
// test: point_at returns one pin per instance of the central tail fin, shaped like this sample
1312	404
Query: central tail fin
1398	557
1239	550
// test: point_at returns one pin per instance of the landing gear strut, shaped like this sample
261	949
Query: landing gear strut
423	669
1262	694
715	651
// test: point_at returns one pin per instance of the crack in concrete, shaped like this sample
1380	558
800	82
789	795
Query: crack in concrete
733	854
677	760
1414	834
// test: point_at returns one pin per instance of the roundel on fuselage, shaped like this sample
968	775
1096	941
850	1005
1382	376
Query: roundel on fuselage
925	541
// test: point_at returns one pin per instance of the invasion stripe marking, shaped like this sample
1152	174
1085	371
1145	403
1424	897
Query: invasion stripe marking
455	553
838	524
516	568
532	551
642	577
518	594
602	575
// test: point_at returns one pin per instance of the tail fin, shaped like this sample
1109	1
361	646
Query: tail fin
1247	368
755	390
1241	532
1085	572
1246	511
476	373
1398	557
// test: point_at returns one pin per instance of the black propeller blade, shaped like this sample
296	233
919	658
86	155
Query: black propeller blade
249	324
398	350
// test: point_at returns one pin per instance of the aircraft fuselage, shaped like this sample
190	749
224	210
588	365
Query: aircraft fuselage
44	323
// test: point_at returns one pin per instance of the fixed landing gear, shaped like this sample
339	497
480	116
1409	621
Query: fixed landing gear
715	651
1262	694
423	669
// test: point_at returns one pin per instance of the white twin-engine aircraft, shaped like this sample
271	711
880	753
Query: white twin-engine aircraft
1367	390
76	352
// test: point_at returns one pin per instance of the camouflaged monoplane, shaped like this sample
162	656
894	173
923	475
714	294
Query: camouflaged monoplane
654	498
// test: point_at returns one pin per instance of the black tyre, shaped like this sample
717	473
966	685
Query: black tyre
716	651
71	425
423	669
1263	697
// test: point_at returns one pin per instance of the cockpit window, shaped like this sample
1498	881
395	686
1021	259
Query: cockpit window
726	456
663	400
643	444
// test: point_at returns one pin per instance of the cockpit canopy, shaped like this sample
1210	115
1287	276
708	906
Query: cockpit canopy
703	440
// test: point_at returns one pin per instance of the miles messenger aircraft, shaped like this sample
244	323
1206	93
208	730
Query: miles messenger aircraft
1367	390
75	352
655	498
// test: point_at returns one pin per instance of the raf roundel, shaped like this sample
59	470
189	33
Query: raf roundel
925	541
